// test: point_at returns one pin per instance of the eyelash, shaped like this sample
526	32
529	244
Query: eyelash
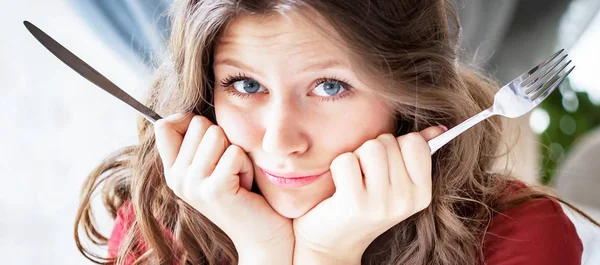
227	84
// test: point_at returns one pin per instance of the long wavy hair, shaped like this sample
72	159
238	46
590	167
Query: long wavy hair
409	46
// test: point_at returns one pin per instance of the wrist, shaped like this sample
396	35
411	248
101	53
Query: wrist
273	255
307	255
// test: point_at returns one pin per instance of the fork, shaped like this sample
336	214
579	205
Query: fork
516	98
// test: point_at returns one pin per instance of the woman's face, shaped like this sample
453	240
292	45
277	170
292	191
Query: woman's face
287	94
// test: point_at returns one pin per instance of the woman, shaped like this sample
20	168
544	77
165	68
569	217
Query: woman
297	134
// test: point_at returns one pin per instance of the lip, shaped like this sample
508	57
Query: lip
291	180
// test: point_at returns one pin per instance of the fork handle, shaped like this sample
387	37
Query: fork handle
437	142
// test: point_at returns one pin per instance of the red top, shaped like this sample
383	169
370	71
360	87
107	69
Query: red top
537	232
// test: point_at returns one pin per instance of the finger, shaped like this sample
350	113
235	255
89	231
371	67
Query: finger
417	159
432	132
211	148
246	172
234	170
191	141
374	164
209	151
347	175
169	133
396	169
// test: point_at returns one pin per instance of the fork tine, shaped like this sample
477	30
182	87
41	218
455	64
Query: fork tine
531	71
543	73
546	78
536	99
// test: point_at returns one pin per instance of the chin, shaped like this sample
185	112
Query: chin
291	212
291	207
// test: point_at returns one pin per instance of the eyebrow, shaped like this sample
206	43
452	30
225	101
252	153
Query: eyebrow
320	64
233	62
324	64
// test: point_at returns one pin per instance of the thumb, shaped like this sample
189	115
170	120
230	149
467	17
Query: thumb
234	170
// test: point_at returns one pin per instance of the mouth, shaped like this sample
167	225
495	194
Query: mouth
291	180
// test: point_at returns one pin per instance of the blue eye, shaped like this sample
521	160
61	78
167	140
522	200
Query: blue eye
246	86
330	88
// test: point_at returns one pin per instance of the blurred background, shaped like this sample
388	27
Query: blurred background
56	126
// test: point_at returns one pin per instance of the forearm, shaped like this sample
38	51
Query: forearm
307	256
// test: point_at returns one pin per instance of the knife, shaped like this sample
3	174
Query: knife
88	72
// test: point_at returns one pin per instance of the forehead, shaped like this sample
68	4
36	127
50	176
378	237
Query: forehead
290	34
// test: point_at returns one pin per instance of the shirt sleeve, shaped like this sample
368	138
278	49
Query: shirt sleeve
534	233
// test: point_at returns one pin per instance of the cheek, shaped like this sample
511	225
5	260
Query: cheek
239	127
350	131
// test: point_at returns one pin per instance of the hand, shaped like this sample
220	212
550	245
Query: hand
213	176
394	184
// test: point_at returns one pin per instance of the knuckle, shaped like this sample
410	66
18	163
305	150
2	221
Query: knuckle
221	135
412	137
343	159
413	142
217	134
170	121
234	150
371	146
161	126
161	123
386	138
200	122
214	128
212	132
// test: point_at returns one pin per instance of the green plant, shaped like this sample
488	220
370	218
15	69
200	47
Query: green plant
572	115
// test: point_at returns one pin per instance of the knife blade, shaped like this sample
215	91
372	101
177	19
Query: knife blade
88	72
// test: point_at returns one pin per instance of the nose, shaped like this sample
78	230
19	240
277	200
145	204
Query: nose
284	134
